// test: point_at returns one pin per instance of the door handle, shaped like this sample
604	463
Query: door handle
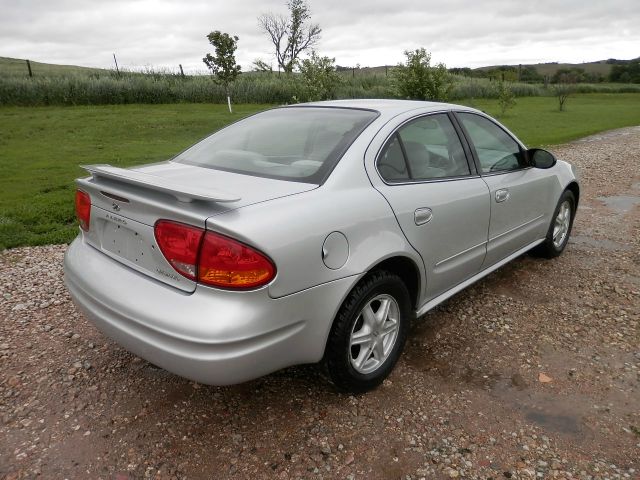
502	195
422	216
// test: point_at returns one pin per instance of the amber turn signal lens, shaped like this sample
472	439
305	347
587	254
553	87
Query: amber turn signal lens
227	263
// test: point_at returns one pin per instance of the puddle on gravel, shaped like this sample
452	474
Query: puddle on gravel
620	203
566	414
558	423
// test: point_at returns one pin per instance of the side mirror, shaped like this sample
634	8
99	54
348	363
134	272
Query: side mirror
540	158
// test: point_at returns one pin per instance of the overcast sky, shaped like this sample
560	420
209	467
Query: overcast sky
369	32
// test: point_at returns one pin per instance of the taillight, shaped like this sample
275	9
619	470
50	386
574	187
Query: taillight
179	244
227	263
83	209
211	258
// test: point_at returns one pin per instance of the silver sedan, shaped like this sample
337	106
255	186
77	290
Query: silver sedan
309	233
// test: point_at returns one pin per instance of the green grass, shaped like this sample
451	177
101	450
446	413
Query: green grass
17	67
537	121
41	147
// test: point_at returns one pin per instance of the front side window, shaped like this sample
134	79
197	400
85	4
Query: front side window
496	150
298	143
424	149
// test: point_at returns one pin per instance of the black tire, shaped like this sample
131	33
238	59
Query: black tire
338	353
548	248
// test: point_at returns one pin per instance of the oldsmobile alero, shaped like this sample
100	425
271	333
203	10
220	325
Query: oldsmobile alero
309	233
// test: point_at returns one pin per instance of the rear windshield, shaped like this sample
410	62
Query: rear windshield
300	143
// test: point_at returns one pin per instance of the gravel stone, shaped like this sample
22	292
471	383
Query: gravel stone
464	400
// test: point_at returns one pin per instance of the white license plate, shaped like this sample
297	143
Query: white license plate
125	243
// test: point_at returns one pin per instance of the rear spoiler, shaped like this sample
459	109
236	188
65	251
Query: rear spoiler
182	192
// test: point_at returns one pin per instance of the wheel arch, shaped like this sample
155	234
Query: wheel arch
574	188
407	270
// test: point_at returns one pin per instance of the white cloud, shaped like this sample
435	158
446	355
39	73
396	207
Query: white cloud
457	32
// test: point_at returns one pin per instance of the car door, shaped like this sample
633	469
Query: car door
441	203
520	195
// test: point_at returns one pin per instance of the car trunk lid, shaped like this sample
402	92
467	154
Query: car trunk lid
126	204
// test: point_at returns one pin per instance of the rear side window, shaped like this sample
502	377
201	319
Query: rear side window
392	164
424	149
300	143
496	150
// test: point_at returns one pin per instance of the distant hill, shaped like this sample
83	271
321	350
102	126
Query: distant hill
15	67
602	67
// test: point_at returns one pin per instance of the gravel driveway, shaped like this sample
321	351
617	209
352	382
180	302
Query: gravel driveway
532	372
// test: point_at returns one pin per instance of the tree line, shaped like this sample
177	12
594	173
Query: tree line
294	34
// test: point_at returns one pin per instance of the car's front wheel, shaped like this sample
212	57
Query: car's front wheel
560	228
369	333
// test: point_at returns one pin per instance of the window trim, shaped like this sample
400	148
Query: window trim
470	161
474	152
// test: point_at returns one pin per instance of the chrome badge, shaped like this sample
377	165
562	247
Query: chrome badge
115	207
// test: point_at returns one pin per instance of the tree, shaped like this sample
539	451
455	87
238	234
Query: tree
418	80
629	72
320	77
223	66
260	65
577	75
290	36
564	88
506	97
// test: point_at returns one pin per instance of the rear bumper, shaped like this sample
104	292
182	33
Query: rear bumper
212	336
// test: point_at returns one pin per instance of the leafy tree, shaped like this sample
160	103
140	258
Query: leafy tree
320	77
463	71
506	97
291	35
529	73
417	79
223	66
629	72
575	74
260	65
504	72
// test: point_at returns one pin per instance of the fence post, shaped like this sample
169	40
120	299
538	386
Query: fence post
386	71
29	67
116	62
181	71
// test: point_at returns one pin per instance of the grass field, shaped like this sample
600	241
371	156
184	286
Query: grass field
537	121
41	148
17	67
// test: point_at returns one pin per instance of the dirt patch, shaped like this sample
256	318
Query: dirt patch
532	372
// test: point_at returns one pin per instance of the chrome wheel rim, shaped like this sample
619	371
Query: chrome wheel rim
374	334
561	224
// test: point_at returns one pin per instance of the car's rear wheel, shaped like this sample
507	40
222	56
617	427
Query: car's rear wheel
560	228
369	333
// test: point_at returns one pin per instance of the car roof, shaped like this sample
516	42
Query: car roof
387	107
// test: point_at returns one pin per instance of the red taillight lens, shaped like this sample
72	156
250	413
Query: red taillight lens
215	259
227	263
83	209
179	244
